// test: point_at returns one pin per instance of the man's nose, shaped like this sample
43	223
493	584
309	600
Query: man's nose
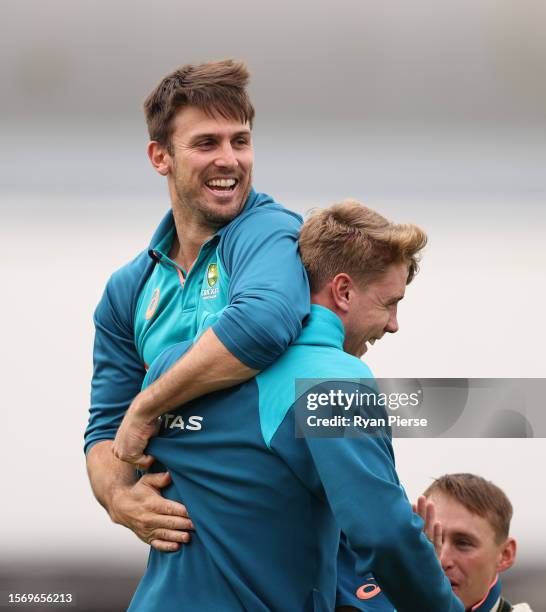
226	157
392	325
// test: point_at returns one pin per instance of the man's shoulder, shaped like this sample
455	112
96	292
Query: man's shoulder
297	371
131	272
266	215
313	362
329	362
125	283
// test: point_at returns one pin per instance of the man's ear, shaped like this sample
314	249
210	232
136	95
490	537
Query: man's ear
160	158
342	287
507	555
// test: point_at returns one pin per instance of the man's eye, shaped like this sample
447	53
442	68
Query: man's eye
241	142
464	544
205	144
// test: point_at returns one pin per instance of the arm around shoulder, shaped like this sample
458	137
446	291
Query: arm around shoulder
268	288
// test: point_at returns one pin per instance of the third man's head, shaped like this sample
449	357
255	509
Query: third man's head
359	264
475	517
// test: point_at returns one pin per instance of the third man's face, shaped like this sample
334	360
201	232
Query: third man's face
374	309
470	556
211	173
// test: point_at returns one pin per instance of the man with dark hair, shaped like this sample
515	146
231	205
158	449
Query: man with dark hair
222	267
473	522
267	505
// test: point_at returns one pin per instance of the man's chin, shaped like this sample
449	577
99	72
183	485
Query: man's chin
221	215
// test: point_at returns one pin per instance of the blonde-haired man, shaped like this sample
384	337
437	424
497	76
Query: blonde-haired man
267	505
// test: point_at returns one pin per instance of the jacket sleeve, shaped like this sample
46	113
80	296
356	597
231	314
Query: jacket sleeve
268	288
118	371
372	510
349	583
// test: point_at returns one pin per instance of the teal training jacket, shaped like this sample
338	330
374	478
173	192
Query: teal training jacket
268	506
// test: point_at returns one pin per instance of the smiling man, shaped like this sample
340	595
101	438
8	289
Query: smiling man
222	268
475	545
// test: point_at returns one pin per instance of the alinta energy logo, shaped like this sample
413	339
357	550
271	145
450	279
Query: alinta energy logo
152	306
210	292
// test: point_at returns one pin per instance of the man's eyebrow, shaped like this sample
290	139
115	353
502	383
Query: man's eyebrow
465	534
214	135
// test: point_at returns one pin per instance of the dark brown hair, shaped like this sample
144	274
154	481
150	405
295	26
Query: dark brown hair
217	88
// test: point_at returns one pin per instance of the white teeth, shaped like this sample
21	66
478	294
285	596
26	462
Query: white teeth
221	183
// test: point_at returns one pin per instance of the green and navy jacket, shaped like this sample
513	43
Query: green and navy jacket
268	506
248	284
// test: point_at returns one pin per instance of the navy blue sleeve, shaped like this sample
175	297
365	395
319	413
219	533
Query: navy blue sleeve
268	288
372	510
118	371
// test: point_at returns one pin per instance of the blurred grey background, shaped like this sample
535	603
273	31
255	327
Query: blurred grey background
431	112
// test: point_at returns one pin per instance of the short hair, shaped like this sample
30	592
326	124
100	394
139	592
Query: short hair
217	88
478	496
352	238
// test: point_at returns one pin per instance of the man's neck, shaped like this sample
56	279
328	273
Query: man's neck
190	237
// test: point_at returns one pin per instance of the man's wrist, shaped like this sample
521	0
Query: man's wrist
113	505
142	408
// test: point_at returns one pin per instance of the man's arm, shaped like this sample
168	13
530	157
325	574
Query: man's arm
208	366
137	503
117	377
348	579
372	510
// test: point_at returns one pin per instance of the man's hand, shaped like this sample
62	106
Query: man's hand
433	529
132	438
160	522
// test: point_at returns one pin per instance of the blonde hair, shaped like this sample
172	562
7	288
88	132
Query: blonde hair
352	238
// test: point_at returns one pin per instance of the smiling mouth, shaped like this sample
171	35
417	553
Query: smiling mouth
222	185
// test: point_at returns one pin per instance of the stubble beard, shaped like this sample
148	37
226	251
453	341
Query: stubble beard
210	217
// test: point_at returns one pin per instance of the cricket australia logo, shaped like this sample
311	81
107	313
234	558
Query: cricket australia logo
210	292
212	274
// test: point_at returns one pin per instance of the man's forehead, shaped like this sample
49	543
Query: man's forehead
456	519
193	121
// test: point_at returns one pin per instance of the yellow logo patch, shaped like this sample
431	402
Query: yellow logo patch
212	274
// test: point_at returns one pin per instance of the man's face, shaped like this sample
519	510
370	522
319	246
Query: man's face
211	170
470	557
374	309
